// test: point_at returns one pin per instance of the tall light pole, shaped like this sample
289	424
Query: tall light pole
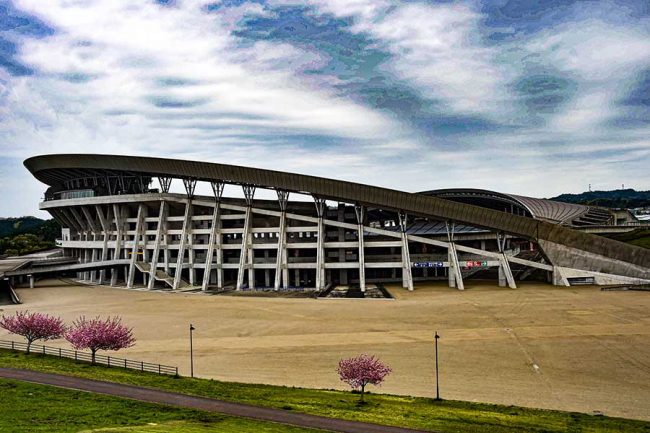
191	352
436	337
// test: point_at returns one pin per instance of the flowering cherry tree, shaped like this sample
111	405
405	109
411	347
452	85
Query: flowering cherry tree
99	334
361	371
33	326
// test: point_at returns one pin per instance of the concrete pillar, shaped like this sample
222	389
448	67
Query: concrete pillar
320	256
187	221
502	277
340	216
281	270
139	229
320	249
243	253
106	230
31	281
190	252
214	242
161	229
505	273
281	263
558	278
506	278
86	259
455	275
94	231
359	210
119	226
407	274
267	273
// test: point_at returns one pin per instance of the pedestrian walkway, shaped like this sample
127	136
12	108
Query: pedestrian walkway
200	403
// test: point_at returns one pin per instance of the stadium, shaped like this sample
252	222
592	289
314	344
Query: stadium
123	226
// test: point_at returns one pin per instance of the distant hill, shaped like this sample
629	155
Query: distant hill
16	226
618	198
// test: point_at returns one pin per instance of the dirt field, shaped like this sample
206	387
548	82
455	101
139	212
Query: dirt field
577	349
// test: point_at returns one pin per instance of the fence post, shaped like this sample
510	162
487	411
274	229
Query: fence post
43	349
59	352
124	362
141	365
75	355
12	344
176	371
158	368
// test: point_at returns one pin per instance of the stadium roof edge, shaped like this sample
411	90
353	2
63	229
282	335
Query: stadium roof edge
45	167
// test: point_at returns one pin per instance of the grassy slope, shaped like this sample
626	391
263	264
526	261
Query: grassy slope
640	237
420	413
27	407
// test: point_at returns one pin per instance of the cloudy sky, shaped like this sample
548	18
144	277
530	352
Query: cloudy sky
529	97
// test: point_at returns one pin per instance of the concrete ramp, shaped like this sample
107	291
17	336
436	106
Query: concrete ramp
76	267
8	295
161	275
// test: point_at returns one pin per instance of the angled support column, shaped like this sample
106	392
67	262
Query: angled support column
359	211
455	276
407	274
139	232
165	184
80	222
74	225
117	252
215	239
92	275
62	218
320	249
245	254
505	273
77	218
190	187
90	219
104	221
281	269
187	222
160	232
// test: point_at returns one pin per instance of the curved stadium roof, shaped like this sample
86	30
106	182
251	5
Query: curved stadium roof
53	170
547	210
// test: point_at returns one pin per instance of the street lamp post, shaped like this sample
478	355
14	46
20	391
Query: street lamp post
436	337
191	352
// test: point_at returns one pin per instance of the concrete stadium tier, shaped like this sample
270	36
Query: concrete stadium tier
123	231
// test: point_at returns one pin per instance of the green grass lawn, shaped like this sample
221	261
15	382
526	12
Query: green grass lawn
26	407
420	413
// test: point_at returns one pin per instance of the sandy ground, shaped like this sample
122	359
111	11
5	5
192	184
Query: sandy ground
579	349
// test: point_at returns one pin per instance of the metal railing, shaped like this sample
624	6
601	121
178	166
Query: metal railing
77	355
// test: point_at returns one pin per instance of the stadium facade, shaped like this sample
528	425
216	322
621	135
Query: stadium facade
122	225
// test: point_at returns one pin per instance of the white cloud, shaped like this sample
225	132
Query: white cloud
139	78
118	52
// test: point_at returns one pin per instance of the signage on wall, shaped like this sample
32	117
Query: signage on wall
476	264
428	265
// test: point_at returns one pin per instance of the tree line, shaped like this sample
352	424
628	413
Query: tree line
27	235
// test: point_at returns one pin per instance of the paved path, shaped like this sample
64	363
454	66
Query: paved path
201	403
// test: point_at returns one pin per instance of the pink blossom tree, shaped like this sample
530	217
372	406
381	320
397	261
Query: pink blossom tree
99	334
33	326
361	371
